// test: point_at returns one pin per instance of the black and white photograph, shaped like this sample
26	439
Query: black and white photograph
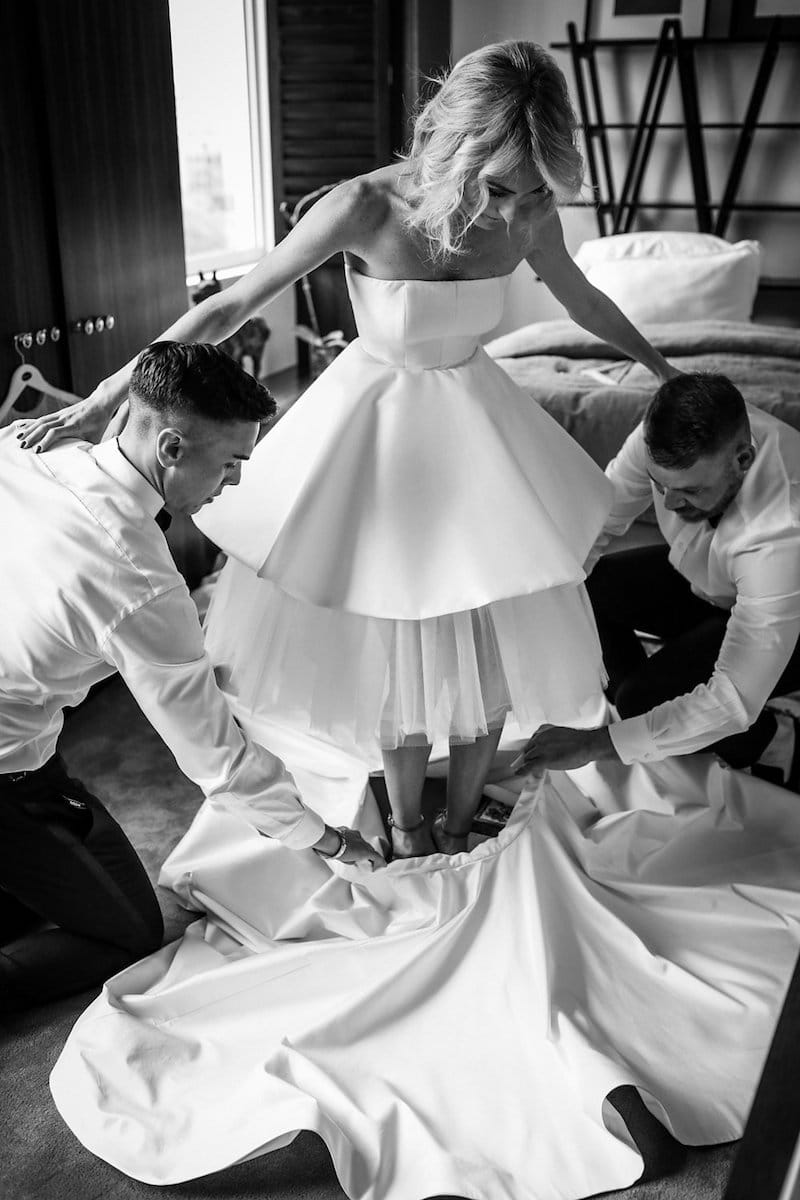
399	600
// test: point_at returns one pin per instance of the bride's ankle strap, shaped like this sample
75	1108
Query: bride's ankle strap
440	819
406	828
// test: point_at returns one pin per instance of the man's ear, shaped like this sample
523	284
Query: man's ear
264	428
170	447
745	456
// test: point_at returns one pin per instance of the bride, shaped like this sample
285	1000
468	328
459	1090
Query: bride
405	568
407	545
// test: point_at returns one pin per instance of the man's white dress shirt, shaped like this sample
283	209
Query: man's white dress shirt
749	564
88	587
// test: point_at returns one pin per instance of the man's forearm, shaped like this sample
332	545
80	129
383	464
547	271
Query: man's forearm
181	700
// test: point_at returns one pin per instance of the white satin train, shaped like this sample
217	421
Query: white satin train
453	1025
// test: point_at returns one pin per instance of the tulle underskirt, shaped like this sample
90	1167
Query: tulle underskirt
367	682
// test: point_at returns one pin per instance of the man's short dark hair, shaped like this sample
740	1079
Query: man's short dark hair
692	417
174	377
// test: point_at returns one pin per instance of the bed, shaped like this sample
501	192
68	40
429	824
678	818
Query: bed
599	397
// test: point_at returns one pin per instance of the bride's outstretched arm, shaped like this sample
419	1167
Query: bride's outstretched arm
589	307
343	219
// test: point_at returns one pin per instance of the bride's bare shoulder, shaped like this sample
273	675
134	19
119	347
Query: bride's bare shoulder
368	202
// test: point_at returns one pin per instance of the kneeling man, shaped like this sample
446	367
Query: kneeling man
89	588
722	596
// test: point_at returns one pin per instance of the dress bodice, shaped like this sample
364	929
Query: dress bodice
419	323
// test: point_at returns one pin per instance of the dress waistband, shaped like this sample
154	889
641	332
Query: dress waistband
410	366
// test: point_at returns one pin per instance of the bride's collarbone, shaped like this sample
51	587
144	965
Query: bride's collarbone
395	252
485	257
477	264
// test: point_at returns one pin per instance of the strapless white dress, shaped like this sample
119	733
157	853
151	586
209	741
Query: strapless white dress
407	544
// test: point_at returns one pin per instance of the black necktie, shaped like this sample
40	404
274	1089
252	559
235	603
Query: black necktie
163	519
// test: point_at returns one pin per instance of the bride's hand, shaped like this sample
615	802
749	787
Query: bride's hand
85	420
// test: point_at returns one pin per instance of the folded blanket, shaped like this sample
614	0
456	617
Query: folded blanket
671	338
599	396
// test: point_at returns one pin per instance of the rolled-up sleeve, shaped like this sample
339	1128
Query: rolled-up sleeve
158	650
760	638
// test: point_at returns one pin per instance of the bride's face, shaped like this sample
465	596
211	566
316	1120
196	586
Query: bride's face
521	195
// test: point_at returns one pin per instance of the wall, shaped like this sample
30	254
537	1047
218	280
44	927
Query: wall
280	315
725	76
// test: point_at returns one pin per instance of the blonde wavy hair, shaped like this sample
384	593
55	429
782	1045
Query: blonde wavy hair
502	108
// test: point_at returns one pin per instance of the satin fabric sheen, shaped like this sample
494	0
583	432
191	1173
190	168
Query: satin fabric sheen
453	1025
407	543
413	478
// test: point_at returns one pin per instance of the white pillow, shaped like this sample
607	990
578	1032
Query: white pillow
656	276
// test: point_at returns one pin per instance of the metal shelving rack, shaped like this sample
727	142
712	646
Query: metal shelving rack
616	210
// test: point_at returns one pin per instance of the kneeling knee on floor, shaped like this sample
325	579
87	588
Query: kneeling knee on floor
147	936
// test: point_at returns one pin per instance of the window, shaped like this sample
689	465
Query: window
219	61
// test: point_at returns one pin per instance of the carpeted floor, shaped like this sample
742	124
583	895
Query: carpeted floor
110	746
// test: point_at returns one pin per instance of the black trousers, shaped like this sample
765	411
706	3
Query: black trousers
639	589
76	904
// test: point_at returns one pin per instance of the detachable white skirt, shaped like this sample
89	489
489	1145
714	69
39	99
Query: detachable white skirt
364	682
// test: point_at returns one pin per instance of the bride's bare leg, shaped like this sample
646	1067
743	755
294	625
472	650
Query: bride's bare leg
404	772
469	766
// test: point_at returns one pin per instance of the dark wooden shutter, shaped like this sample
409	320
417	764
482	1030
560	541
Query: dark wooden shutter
343	79
329	67
329	118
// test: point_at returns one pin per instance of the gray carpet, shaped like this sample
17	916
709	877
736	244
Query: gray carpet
109	745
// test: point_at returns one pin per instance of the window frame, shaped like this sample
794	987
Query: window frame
231	264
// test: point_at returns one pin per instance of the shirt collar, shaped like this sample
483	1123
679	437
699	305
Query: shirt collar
110	459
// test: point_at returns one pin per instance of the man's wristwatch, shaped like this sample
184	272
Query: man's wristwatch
342	832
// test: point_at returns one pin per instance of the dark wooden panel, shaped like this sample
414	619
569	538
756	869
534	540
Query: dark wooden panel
30	296
330	98
330	64
421	41
352	96
342	150
107	73
347	14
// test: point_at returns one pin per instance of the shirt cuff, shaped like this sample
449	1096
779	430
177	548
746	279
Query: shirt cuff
307	832
633	741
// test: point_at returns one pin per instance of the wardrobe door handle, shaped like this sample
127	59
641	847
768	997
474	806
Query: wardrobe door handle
99	324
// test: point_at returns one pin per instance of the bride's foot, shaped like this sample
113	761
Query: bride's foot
410	841
445	841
